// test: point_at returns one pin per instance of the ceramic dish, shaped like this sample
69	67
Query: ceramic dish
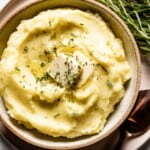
18	10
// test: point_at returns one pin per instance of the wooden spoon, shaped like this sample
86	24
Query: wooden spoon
138	121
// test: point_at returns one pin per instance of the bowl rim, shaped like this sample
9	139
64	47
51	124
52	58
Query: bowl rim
124	116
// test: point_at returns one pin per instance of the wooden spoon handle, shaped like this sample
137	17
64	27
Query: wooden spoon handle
138	120
140	115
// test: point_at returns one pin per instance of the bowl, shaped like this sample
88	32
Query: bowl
17	10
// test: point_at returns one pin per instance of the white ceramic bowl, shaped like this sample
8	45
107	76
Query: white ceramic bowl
18	10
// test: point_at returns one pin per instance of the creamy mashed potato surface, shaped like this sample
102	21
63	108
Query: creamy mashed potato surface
62	72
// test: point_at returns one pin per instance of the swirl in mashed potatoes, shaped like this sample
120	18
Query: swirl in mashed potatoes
62	73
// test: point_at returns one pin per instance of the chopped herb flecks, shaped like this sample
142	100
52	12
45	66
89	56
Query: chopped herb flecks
74	114
81	24
50	24
56	115
46	76
109	84
70	42
42	64
104	69
55	50
72	34
27	66
41	92
23	76
62	44
25	49
46	52
18	69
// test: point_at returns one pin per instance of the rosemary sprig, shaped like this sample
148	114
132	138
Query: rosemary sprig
136	14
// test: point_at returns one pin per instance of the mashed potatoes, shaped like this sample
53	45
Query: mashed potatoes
62	72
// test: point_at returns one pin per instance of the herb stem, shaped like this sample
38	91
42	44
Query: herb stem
136	15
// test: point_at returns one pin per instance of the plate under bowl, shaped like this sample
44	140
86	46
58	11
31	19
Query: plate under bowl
11	16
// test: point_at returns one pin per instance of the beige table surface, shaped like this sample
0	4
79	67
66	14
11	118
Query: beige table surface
135	143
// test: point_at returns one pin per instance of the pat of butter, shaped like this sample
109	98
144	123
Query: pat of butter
65	70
